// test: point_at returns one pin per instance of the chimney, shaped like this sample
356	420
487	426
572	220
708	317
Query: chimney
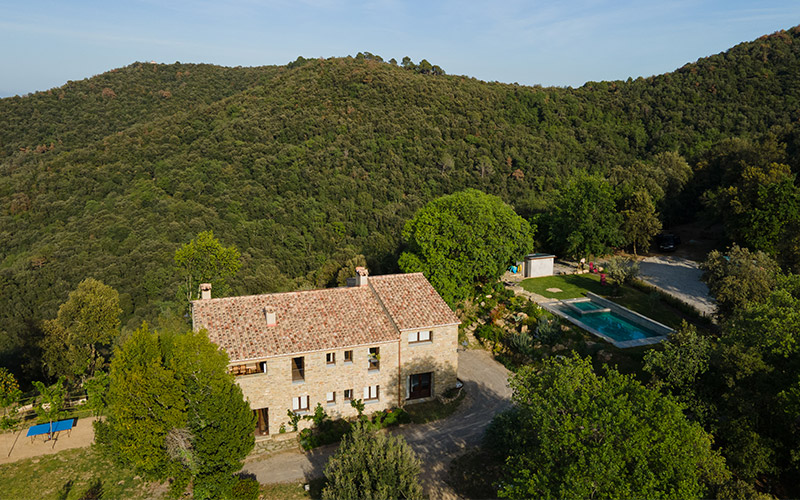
361	276
205	291
271	316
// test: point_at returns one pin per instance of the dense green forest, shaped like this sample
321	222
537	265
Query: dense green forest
308	166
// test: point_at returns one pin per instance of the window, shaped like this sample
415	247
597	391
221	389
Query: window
262	367
331	397
372	393
415	337
374	358
298	369
239	370
262	421
330	358
419	385
348	394
300	403
348	356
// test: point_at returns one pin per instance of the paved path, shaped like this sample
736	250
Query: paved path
680	278
437	443
16	446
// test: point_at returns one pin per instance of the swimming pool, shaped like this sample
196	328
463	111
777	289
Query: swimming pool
612	322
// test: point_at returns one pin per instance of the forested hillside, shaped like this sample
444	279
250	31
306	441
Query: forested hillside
307	166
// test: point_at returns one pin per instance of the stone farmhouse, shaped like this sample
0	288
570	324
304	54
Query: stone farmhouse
387	340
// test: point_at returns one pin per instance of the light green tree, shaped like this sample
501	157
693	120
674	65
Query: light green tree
205	260
575	434
9	392
174	412
739	277
85	323
51	401
464	239
372	466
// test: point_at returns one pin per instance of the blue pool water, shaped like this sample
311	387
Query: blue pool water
611	325
586	305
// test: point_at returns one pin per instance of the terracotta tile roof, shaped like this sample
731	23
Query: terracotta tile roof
306	321
321	319
412	302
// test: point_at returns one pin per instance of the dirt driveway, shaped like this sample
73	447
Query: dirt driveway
680	278
437	443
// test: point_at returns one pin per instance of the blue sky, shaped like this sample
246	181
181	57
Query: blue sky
46	43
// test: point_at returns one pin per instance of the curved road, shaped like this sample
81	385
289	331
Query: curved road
436	443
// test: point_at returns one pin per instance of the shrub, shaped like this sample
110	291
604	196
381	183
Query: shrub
621	270
369	465
246	488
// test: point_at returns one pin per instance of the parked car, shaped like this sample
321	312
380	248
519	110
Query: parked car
668	242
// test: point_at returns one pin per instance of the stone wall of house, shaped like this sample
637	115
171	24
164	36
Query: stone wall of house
438	356
275	389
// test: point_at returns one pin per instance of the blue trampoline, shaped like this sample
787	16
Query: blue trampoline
51	429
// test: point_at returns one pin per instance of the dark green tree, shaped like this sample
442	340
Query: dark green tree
219	420
371	465
204	259
464	239
584	220
678	368
570	428
87	322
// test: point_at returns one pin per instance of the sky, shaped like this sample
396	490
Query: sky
563	43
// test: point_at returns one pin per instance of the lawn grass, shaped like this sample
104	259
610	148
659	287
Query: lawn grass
572	286
433	410
71	474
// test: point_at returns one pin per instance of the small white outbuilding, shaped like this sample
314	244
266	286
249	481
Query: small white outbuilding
538	264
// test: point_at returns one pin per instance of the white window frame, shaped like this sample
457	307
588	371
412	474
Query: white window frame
297	403
330	397
372	393
330	358
420	337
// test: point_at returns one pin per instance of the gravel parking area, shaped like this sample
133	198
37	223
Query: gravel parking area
680	278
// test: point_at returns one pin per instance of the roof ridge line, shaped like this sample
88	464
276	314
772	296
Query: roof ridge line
384	308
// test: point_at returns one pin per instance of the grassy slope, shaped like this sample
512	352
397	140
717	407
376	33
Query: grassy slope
72	472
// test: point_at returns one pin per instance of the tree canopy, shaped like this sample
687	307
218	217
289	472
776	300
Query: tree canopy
86	322
575	434
738	277
174	412
204	259
464	239
584	220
